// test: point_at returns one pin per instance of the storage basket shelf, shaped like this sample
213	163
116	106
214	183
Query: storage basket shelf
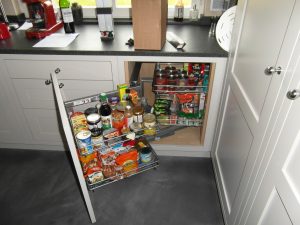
142	167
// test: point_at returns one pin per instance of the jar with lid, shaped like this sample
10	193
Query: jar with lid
160	79
172	82
182	78
138	112
149	124
118	120
94	121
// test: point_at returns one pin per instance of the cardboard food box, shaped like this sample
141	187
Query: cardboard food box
149	19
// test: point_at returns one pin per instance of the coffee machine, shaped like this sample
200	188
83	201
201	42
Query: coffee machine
42	16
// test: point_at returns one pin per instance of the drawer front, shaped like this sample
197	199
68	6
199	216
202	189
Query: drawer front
74	70
44	126
34	94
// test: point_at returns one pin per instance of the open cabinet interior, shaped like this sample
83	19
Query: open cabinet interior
144	73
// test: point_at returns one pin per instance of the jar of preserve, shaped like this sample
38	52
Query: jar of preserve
118	120
94	121
160	79
149	124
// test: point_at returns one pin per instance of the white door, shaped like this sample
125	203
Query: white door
278	197
249	96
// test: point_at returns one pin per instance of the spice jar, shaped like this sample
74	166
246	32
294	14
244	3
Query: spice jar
138	112
93	121
149	124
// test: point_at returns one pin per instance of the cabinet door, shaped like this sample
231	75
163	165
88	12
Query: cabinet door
250	96
44	126
34	94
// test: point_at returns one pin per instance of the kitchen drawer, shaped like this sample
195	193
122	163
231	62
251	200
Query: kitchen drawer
74	70
33	93
44	126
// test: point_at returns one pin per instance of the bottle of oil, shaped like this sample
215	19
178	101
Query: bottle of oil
178	12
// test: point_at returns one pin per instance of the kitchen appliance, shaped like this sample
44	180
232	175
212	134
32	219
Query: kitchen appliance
4	33
42	16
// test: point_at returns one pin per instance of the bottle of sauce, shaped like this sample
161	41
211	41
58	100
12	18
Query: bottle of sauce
105	112
160	79
178	12
67	16
128	113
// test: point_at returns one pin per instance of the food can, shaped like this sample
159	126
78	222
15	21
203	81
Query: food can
84	142
93	121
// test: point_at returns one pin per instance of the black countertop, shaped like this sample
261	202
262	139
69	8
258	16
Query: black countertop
89	43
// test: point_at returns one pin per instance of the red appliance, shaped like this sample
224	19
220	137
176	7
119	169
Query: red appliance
43	18
4	33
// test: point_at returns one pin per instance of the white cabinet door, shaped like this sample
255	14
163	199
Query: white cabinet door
44	126
250	96
278	197
34	94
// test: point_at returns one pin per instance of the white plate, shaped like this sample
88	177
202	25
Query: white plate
224	28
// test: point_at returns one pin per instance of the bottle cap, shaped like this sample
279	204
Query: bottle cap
103	97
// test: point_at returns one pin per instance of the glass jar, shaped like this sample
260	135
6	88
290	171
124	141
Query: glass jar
160	79
118	120
149	124
182	78
138	112
172	82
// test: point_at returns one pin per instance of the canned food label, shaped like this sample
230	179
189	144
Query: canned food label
106	122
84	142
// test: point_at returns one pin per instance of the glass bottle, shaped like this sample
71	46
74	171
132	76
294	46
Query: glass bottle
128	113
194	13
178	11
105	112
67	16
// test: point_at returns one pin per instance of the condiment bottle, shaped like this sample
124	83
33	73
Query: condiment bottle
118	120
178	12
172	82
194	13
160	79
182	78
67	16
138	113
105	112
128	113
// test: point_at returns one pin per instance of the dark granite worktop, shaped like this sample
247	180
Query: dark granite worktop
89	43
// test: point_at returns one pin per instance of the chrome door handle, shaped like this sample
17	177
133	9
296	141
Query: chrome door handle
48	82
61	85
57	70
270	70
293	94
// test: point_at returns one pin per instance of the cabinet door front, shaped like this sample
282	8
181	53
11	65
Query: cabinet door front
250	96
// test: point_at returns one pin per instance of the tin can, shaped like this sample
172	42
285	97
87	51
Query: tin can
84	142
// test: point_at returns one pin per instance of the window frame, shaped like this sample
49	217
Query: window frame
118	12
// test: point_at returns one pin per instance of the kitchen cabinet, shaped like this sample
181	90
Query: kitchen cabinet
251	104
28	78
189	141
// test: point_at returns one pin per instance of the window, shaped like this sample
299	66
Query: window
121	8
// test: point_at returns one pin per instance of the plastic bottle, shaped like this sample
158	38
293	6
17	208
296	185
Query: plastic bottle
105	112
67	16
